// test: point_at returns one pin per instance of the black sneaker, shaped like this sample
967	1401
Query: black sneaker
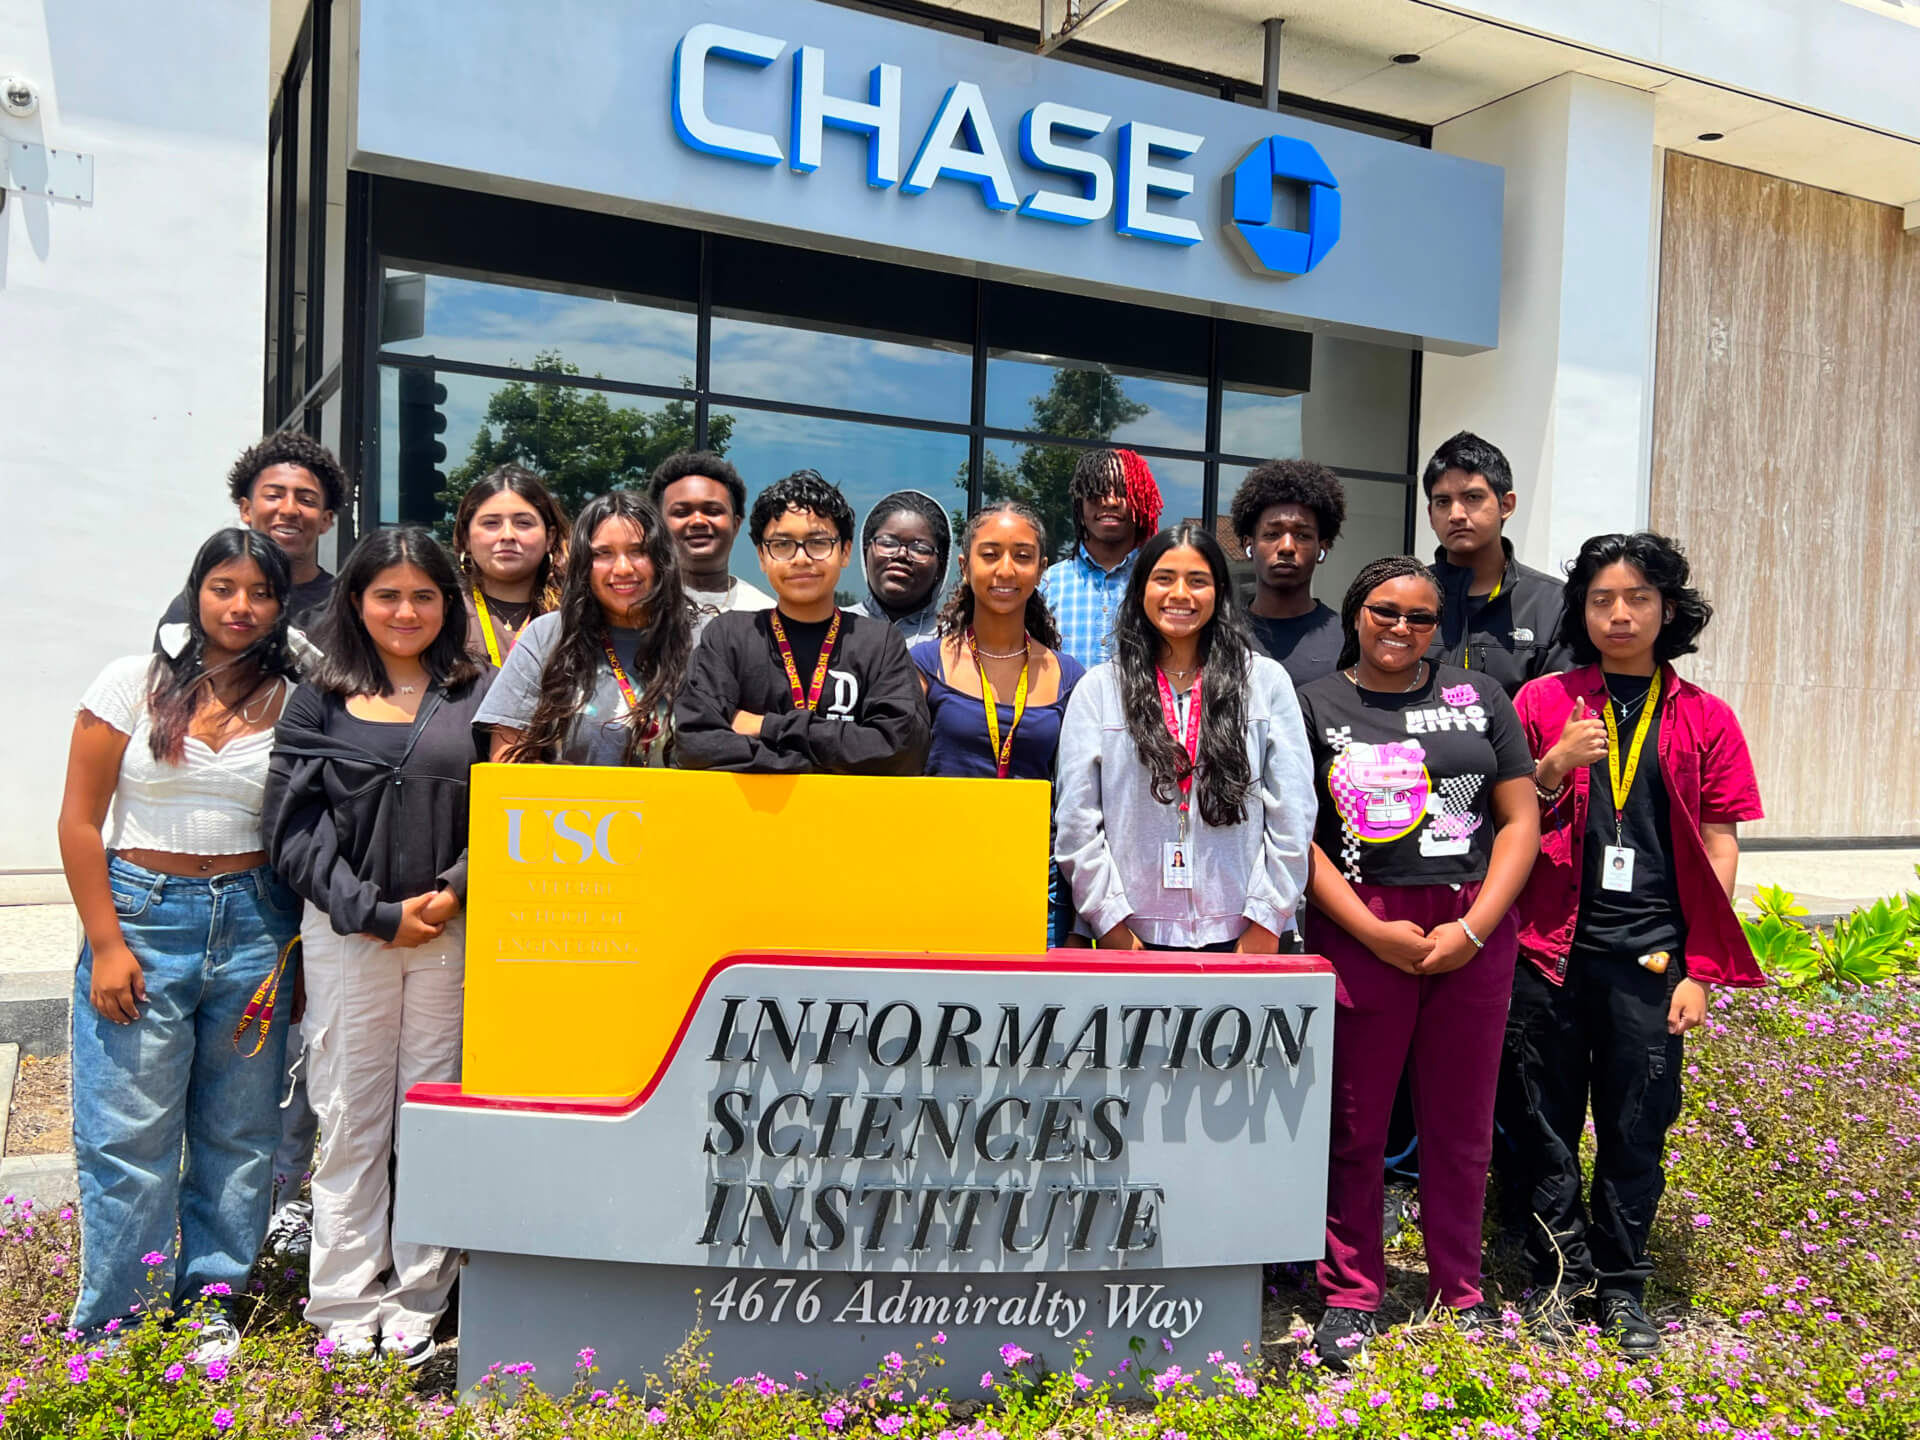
1483	1319
1555	1315
1625	1322
1342	1333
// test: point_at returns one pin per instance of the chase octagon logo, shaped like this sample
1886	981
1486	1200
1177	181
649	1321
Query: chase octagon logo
1253	187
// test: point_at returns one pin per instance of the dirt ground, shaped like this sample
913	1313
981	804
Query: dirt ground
42	1118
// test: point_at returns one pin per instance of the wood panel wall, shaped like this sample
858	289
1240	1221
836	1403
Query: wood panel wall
1786	459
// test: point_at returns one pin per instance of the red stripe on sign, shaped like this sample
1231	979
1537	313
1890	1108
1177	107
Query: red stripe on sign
1058	962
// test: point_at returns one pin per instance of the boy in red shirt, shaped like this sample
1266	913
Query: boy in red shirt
1624	922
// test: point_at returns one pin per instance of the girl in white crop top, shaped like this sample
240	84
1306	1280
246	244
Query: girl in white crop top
186	928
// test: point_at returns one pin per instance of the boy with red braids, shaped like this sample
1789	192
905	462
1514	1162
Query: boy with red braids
1116	509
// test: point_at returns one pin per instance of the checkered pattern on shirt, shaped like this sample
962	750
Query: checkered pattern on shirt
1085	600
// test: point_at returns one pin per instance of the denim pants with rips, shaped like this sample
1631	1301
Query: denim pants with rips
172	1127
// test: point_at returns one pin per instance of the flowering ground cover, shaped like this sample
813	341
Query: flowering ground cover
1788	1255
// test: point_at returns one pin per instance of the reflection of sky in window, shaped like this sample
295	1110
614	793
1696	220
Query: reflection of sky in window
1176	416
842	372
465	409
1263	425
509	325
865	461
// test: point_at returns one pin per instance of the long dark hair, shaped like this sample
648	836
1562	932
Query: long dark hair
174	688
532	489
1664	564
351	663
1224	776
956	616
1374	574
660	666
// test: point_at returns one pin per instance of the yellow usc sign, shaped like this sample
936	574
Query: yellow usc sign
599	900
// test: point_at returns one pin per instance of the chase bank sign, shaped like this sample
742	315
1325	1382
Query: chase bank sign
1118	183
824	127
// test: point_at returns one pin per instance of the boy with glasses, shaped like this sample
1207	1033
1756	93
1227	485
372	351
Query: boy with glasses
805	686
905	544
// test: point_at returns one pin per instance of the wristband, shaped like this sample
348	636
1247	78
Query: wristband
1478	943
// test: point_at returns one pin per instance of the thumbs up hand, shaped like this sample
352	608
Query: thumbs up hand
1583	740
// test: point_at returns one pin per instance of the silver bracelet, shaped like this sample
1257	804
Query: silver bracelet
1478	943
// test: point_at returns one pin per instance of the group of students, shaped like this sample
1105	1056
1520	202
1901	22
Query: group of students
1523	895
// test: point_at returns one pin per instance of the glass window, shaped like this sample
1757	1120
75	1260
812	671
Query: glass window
878	374
1094	402
1255	424
1040	474
614	338
302	221
1358	413
276	162
1376	525
584	442
865	461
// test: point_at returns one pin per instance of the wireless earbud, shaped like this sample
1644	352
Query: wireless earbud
1323	555
1249	552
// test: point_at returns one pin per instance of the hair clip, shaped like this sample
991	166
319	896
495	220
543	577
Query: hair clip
173	640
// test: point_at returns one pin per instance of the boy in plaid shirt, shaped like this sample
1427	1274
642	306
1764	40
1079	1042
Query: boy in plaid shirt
1116	508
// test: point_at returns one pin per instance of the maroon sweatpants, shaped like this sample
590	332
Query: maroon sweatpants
1449	1029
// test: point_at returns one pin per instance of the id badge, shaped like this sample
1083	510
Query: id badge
1616	868
1176	865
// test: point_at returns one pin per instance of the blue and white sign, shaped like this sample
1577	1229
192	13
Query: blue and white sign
810	124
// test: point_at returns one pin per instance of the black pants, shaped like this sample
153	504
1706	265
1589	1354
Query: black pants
1601	1036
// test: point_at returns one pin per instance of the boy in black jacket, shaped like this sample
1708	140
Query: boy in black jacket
804	686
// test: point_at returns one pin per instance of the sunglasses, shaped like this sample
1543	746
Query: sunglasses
1386	617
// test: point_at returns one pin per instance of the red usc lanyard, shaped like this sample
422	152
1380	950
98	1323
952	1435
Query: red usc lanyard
652	732
810	697
1191	740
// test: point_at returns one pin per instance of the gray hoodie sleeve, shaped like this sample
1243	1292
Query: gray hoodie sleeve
1080	832
1285	782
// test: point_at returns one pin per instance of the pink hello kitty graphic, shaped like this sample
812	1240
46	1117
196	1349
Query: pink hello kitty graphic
1381	790
1460	695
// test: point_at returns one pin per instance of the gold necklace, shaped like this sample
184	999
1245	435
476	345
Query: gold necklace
1419	676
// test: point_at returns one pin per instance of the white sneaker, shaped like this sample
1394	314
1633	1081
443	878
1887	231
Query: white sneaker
353	1343
290	1232
218	1341
410	1353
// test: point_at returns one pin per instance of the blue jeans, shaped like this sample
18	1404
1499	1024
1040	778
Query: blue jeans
174	1079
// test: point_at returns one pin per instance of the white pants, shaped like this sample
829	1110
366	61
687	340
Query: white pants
378	1022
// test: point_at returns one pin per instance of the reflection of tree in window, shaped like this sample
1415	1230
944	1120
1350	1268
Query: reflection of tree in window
579	442
1080	405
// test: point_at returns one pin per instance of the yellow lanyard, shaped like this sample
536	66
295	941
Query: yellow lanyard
486	627
1623	783
1466	650
1002	754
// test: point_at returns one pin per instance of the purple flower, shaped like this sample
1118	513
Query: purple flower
586	1358
986	1380
222	1418
833	1417
1429	1401
892	1360
1082	1382
326	1347
1011	1355
939	1337
891	1424
153	1257
77	1369
656	1416
1701	1222
217	1370
218	1287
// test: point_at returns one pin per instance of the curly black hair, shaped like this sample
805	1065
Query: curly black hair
698	462
288	447
1372	576
1665	566
802	490
1306	483
1468	453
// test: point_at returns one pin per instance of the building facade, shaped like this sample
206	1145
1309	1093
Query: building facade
1658	252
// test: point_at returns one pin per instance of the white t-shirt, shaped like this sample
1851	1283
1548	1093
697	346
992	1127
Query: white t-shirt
208	804
738	595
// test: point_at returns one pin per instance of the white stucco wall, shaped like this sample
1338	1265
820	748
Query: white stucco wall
130	350
1568	393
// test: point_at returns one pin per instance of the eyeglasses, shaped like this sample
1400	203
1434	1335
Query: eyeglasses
785	547
891	545
1387	617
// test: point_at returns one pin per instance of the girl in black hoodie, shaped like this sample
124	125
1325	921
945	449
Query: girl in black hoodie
366	818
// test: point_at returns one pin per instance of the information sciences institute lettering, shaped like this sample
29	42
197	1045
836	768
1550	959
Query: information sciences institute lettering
1281	203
